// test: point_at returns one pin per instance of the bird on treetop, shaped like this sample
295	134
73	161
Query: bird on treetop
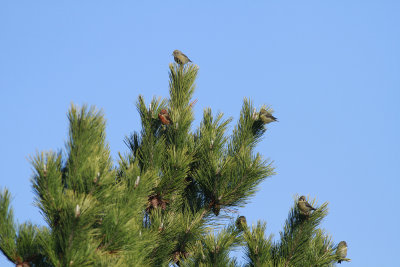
266	117
180	57
164	117
341	250
304	206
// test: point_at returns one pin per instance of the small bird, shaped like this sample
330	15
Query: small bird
266	117
180	57
241	223
341	250
304	206
164	117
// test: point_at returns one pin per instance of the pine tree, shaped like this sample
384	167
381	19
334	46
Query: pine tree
164	202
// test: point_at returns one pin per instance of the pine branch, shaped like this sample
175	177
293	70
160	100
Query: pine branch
298	232
181	88
258	248
213	250
47	185
88	153
245	136
7	227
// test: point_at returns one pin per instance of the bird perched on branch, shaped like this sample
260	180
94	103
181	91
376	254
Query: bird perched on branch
241	223
180	57
164	117
266	117
304	206
341	250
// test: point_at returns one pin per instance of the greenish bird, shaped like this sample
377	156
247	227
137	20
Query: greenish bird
266	117
341	250
304	206
180	57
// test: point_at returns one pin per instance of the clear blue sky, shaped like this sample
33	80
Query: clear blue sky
330	69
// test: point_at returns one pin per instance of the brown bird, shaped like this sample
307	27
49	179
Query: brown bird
241	223
341	250
266	117
180	57
164	117
304	206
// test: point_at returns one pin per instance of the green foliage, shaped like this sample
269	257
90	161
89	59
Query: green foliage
20	243
7	227
164	201
259	250
213	249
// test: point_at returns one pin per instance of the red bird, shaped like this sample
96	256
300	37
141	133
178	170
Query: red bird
164	117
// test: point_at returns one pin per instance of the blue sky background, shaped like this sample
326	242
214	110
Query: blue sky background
330	69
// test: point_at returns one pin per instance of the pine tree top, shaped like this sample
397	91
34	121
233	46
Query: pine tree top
162	202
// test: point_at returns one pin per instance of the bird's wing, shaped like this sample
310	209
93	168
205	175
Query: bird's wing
186	57
309	206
